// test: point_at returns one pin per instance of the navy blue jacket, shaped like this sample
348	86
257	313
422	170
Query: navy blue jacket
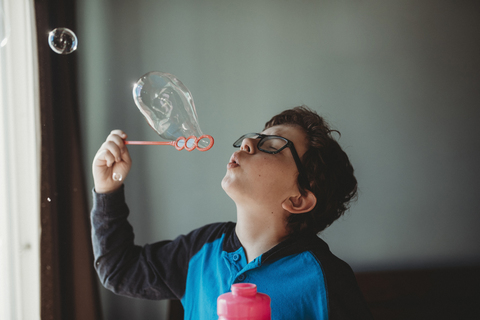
302	277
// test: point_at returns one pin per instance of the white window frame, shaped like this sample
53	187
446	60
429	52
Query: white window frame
20	147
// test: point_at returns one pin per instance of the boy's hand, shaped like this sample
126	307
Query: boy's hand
112	157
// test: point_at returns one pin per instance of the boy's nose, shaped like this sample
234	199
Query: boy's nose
248	145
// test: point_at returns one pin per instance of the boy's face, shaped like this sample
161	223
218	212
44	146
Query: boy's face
261	178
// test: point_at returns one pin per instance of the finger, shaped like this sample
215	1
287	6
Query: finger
120	133
126	156
103	158
114	149
118	140
109	159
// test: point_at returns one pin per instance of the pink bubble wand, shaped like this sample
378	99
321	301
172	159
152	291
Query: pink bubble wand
181	143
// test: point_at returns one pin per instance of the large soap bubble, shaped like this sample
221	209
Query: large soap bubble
62	41
168	106
169	109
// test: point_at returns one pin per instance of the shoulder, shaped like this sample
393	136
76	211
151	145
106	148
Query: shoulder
345	299
330	264
212	232
337	272
209	233
327	260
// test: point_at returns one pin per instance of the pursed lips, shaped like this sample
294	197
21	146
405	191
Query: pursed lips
233	161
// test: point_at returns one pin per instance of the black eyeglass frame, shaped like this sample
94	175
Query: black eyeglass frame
301	169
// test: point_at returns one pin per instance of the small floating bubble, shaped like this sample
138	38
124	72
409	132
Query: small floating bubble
62	41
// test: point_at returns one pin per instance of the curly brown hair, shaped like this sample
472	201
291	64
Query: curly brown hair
328	170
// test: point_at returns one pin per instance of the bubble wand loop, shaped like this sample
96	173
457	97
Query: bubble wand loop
181	143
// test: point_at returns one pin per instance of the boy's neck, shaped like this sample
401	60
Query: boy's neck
259	232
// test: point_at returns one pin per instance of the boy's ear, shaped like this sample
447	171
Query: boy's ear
299	203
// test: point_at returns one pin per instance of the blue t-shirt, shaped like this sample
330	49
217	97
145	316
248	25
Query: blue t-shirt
302	277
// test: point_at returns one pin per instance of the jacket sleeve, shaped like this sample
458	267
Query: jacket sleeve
156	271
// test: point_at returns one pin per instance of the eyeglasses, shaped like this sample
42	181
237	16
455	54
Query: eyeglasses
273	145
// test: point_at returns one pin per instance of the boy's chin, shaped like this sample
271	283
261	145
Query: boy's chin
227	186
231	188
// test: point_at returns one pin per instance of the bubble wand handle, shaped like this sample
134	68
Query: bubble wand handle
163	143
181	143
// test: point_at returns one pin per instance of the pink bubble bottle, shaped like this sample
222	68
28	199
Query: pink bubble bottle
243	303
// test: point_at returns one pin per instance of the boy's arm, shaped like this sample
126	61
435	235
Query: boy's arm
132	270
123	267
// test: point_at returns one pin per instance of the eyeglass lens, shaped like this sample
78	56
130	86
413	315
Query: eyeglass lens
238	143
271	144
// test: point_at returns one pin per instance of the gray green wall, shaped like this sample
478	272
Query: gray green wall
399	79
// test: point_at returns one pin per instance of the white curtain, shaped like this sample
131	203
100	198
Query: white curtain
19	163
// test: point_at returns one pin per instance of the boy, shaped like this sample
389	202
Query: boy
288	183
